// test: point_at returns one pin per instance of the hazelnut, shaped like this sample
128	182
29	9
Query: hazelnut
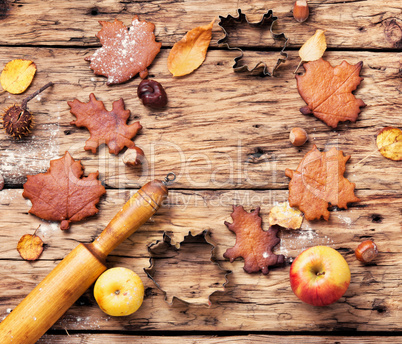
298	136
1	182
133	156
301	10
366	251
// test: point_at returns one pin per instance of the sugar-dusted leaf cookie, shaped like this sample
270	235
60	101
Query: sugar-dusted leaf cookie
125	52
252	242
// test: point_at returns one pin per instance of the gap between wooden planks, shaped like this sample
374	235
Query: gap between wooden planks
221	130
357	25
250	302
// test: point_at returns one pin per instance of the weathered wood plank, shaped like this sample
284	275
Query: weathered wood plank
117	339
250	302
372	24
221	130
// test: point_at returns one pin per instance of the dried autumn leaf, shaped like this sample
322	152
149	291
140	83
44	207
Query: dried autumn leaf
104	126
328	90
285	216
125	51
62	193
389	143
252	242
318	181
189	53
30	247
17	75
313	48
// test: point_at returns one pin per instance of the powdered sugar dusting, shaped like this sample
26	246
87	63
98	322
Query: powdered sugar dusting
346	220
294	242
8	195
47	228
30	155
125	52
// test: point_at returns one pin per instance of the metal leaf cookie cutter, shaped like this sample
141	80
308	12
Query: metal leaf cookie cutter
205	276
268	19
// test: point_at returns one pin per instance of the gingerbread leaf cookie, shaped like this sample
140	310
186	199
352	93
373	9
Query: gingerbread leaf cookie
105	126
62	193
328	90
252	242
318	181
125	52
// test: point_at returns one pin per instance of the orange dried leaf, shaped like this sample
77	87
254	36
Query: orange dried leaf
30	247
389	143
318	181
125	51
252	242
105	126
328	90
17	75
285	216
189	53
62	193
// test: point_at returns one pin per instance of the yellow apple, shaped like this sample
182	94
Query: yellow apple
119	291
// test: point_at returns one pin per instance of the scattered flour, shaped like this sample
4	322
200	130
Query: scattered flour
30	155
47	228
8	195
294	242
346	220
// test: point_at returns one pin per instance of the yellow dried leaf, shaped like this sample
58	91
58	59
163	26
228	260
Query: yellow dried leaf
285	216
189	53
17	75
30	247
313	48
389	143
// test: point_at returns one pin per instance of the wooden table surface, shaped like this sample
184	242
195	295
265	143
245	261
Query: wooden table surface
225	136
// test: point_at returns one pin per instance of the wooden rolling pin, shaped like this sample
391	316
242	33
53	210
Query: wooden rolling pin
79	269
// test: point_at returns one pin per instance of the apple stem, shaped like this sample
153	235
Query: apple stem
117	292
320	273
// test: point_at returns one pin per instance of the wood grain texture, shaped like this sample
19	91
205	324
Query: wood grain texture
371	24
373	300
117	339
221	129
225	135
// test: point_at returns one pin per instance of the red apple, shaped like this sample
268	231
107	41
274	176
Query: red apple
319	275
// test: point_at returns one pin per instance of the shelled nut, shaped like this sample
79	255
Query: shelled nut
133	156
298	136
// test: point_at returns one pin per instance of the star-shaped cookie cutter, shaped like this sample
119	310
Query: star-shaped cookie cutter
267	19
159	247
